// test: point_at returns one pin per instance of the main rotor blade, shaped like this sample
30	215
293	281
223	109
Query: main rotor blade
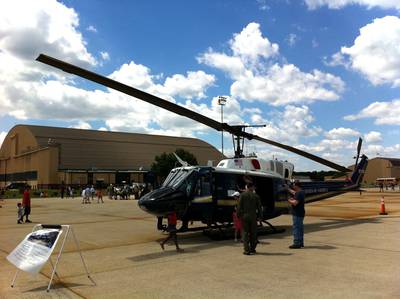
304	154
149	98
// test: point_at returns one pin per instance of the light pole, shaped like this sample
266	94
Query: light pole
222	102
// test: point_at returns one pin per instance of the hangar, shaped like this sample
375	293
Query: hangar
44	157
381	167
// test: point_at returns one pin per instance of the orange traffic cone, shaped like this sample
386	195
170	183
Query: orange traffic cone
383	211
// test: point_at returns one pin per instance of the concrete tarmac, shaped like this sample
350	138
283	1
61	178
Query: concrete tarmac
351	252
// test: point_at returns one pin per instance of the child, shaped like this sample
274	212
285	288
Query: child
20	212
99	196
237	223
172	219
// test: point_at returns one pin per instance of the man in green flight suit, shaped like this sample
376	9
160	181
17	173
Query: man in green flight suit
249	207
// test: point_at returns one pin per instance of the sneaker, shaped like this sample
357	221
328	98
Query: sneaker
27	221
295	246
19	221
253	251
246	253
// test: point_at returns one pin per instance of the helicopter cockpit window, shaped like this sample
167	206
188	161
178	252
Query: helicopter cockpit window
176	177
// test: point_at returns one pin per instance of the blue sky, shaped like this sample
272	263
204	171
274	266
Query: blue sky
318	73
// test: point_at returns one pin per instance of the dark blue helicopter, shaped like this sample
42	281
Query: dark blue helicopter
204	194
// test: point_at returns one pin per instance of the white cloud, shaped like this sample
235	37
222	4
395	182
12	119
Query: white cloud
336	4
376	52
257	78
232	65
28	89
262	4
82	125
298	125
105	55
292	39
192	86
249	44
91	28
372	137
385	113
286	84
335	145
2	137
375	150
337	59
45	26
133	74
338	133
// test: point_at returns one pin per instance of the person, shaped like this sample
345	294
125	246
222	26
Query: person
26	203
380	187
2	193
20	212
172	219
83	195
92	192
236	221
62	190
88	194
68	192
100	195
298	213
249	207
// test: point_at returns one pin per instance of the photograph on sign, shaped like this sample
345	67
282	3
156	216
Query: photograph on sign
34	251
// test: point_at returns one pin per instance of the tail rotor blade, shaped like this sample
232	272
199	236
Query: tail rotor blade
358	150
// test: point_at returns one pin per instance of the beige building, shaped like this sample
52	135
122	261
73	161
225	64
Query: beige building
382	168
47	156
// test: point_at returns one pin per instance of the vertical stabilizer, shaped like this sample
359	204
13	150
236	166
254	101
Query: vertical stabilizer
358	173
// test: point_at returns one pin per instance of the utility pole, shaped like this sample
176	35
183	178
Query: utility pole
222	102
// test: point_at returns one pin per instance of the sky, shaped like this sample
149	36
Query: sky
318	74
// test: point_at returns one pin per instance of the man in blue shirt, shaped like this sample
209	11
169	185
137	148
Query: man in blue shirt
298	213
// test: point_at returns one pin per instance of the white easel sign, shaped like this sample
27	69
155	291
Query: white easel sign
33	252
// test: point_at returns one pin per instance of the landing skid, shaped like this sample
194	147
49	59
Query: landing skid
274	230
226	232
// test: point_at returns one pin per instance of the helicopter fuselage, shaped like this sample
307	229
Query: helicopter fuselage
201	193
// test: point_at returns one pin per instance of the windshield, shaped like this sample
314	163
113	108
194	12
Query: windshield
175	177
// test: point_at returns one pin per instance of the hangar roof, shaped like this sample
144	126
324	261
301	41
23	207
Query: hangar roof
92	149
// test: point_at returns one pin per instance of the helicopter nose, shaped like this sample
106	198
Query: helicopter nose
146	203
153	203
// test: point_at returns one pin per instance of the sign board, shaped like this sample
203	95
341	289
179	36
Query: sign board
33	252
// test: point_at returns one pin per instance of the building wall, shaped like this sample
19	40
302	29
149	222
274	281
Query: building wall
380	168
72	156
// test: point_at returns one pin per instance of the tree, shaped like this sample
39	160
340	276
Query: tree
166	162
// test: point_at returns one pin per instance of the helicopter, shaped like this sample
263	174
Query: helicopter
205	193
